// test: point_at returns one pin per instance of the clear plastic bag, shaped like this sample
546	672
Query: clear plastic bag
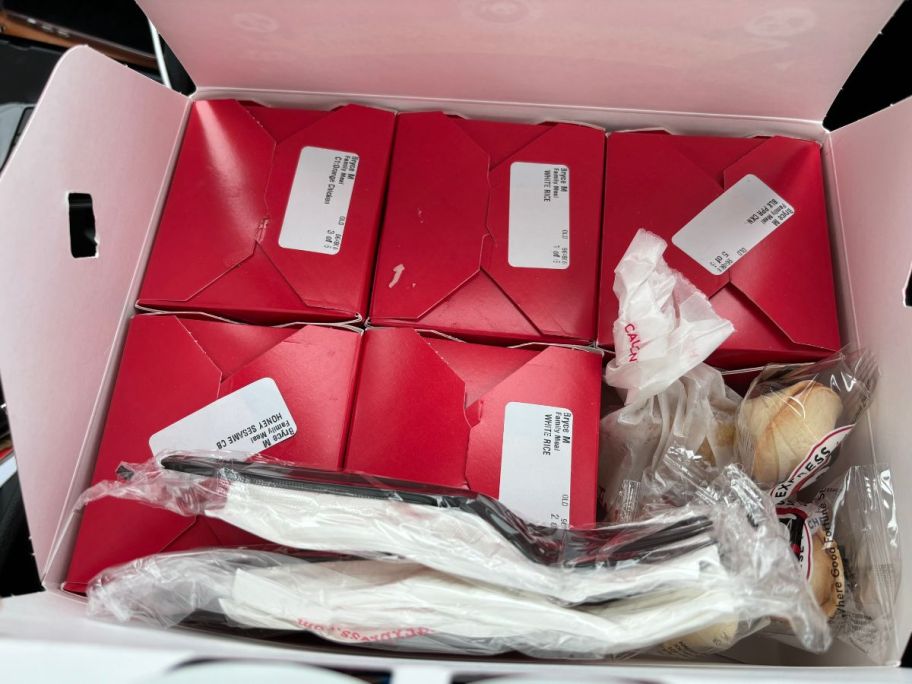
793	419
392	605
665	326
716	638
683	477
847	543
678	561
697	412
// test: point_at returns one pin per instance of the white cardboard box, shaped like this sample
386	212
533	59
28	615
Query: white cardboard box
705	66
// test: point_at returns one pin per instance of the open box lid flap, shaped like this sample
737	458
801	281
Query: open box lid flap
107	131
872	160
780	58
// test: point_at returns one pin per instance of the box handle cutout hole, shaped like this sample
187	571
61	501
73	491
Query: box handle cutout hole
908	293
83	241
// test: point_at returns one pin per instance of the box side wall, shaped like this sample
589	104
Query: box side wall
57	618
68	525
113	141
870	169
684	123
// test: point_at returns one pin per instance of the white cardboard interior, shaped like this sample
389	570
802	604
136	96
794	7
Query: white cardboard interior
68	312
776	58
51	619
102	129
871	166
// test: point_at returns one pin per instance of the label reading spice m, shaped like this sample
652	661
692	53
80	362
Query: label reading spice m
244	422
539	223
318	203
535	465
733	224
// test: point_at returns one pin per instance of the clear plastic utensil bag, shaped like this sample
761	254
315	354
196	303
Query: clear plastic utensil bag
448	571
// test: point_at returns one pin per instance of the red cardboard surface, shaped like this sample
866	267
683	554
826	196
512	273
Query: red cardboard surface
217	248
432	411
780	296
445	232
172	367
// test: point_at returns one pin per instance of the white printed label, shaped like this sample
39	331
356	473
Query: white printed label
812	465
733	224
318	203
539	224
244	422
535	463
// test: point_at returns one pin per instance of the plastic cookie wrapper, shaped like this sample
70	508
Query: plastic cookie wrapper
847	544
716	638
696	412
665	326
684	477
794	418
664	563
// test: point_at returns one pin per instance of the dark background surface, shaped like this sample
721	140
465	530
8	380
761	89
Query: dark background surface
881	79
117	21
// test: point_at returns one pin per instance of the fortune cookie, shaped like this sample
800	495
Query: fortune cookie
827	578
784	426
712	639
721	439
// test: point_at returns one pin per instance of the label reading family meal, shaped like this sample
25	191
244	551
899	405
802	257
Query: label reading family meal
812	465
733	224
539	223
244	422
535	463
318	204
